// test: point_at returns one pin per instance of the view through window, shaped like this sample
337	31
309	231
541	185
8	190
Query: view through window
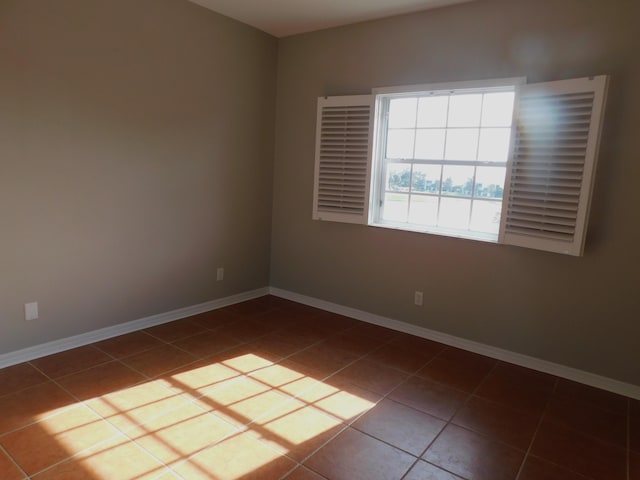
441	160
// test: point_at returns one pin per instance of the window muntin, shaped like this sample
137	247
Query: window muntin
441	160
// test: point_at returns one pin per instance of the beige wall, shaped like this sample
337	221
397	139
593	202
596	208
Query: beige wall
580	312
136	154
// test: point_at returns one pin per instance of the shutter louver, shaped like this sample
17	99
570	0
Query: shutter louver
343	158
550	177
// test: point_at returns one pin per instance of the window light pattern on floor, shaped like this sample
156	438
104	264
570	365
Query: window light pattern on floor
270	389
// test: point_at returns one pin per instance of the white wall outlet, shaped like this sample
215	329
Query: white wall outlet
220	274
417	298
31	311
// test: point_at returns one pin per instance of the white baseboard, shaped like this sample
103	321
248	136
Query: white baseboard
30	353
56	346
604	383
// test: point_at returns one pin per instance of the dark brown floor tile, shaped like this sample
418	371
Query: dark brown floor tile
634	466
308	331
302	473
19	376
425	471
71	361
402	358
305	311
9	471
281	343
538	469
215	318
467	357
412	342
372	376
471	455
279	319
333	323
239	457
589	419
255	306
207	343
272	301
323	358
498	422
100	380
518	388
374	332
401	426
600	398
458	369
634	426
159	360
32	404
355	344
353	454
429	397
128	344
580	453
56	438
177	330
249	329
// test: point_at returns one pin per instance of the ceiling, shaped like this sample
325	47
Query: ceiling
282	18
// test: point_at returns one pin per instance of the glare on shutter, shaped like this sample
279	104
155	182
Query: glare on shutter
550	176
343	158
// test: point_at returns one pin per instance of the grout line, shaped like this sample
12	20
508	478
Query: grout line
11	459
628	439
537	430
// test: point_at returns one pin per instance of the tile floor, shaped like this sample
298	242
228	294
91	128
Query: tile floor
271	389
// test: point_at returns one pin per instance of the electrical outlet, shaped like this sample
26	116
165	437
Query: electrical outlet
220	274
417	298
31	311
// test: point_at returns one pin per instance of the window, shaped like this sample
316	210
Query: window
441	158
499	161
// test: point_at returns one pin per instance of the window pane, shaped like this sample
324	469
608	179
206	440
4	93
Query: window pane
395	208
464	110
462	144
400	143
497	110
494	144
402	112
426	178
432	111
430	144
454	213
485	216
490	182
398	177
457	181
423	210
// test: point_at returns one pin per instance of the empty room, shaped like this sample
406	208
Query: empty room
383	240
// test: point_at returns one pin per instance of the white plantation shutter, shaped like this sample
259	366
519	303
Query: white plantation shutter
549	181
343	158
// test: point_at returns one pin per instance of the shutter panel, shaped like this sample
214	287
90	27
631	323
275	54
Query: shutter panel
550	176
343	158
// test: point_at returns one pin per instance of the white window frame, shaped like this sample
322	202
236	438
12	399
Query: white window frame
550	172
378	169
